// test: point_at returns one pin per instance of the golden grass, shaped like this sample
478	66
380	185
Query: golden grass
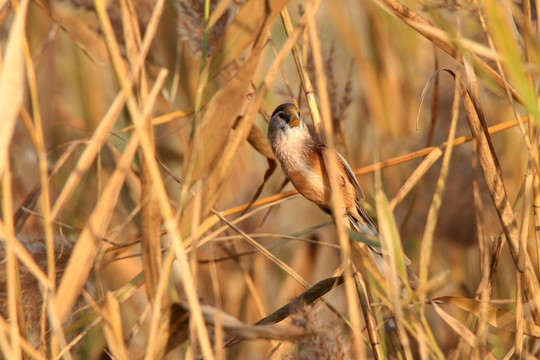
143	214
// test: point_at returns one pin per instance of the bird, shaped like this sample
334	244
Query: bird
296	147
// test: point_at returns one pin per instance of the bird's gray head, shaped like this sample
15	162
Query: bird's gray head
287	113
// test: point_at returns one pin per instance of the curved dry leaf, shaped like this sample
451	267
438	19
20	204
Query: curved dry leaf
496	317
461	329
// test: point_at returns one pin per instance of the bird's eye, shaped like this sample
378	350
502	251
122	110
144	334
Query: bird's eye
282	115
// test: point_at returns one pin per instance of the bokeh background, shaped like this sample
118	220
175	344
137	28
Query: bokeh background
378	70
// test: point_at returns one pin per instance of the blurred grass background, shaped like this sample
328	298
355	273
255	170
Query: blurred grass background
218	93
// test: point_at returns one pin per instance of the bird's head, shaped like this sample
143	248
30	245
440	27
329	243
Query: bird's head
287	114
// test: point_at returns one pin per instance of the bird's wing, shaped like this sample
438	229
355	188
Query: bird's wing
320	146
368	226
365	224
352	178
350	173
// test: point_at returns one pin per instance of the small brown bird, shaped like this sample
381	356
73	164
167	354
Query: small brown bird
300	153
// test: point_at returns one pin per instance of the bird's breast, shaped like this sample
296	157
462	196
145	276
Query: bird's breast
302	163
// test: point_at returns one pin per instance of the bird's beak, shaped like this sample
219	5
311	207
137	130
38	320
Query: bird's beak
295	120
